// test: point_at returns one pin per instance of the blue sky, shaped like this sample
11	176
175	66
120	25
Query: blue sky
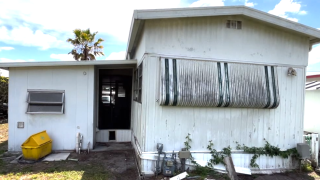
36	30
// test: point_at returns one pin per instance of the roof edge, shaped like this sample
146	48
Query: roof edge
8	65
142	15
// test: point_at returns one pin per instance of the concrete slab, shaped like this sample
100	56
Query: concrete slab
15	161
112	146
57	157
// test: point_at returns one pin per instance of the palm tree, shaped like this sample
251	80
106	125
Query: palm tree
84	46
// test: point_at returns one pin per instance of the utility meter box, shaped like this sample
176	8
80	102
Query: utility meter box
304	150
168	166
184	154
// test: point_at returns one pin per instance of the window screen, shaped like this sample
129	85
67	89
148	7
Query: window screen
45	101
138	83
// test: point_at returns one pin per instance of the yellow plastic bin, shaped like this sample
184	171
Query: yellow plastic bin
37	146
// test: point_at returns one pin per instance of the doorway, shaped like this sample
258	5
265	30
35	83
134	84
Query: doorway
115	89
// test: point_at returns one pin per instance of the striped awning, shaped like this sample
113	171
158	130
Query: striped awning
313	85
218	84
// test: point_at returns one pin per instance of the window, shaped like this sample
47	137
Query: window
138	83
232	24
45	101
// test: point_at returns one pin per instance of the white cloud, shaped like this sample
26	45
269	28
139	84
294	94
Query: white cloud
117	56
318	28
6	48
62	57
314	55
303	12
249	4
25	36
287	6
14	60
201	3
60	17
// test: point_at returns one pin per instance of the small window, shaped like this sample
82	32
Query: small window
138	83
45	101
232	24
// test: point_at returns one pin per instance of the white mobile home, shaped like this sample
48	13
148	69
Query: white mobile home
312	104
226	74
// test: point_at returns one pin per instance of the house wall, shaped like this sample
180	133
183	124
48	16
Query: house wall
62	128
312	106
281	127
208	39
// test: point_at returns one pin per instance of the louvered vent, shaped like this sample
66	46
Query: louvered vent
232	24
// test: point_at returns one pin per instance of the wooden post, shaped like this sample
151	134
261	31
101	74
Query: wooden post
230	168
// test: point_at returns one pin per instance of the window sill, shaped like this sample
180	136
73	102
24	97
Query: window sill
44	113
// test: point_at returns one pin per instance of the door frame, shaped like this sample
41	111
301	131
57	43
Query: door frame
96	98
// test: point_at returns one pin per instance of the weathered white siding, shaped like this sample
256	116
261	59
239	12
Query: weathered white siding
282	127
141	48
208	37
311	115
62	129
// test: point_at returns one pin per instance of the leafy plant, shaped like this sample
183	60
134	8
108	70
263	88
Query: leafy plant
187	146
217	157
306	166
4	82
267	150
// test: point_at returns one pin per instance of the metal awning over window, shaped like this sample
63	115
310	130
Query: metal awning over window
45	101
218	84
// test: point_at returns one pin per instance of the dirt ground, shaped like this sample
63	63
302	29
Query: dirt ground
111	164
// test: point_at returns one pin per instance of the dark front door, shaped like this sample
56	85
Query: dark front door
115	101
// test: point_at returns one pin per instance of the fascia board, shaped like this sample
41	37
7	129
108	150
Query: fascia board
67	63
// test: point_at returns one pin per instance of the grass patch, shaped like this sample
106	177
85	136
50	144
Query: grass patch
58	170
43	175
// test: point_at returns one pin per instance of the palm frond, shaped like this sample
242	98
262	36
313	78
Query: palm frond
85	47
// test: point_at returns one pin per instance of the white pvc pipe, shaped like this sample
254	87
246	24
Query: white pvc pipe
77	142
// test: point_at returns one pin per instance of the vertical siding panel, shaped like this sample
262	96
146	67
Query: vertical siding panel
302	89
220	128
299	105
250	126
255	123
271	132
287	125
214	119
244	139
291	109
228	137
283	122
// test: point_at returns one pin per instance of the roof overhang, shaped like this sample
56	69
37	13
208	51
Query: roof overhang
139	16
113	63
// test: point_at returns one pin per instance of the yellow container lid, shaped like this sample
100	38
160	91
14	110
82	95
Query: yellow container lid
37	140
